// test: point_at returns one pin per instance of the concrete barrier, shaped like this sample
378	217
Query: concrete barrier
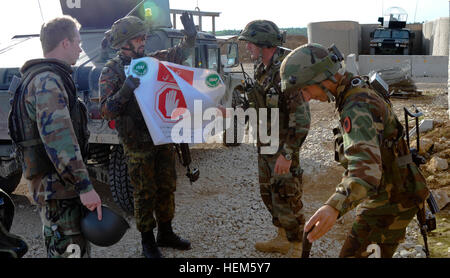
429	66
422	68
368	63
345	34
435	37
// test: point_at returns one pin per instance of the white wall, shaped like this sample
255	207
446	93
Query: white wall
345	34
420	67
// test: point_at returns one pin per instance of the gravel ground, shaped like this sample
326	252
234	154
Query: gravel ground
222	213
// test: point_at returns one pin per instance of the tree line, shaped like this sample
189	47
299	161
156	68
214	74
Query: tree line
290	31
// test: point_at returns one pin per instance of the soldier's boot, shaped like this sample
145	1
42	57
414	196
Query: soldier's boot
167	238
278	244
149	247
295	250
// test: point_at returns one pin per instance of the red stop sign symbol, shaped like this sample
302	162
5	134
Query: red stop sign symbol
170	103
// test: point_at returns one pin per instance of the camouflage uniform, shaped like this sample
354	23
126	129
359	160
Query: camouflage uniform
379	168
380	174
154	183
281	194
56	173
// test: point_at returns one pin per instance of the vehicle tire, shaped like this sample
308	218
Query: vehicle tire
372	51
237	101
10	183
406	51
119	180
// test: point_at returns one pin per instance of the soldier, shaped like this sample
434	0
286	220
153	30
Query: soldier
380	175
151	168
280	174
49	126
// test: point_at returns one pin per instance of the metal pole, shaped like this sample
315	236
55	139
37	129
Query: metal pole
415	13
174	20
40	9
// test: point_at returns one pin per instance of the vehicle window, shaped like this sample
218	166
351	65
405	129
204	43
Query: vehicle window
190	60
213	58
175	42
400	34
382	34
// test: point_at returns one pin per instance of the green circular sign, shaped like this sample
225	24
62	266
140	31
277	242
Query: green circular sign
213	80
140	68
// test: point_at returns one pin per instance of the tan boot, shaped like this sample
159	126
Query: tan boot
278	244
295	250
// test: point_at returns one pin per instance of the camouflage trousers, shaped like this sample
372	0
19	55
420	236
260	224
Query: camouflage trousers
62	230
153	176
282	195
378	226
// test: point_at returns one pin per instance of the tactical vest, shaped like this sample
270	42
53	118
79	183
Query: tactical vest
23	130
130	125
409	185
267	94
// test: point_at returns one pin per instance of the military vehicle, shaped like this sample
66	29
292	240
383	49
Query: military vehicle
106	161
392	38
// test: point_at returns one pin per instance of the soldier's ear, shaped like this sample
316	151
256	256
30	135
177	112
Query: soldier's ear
65	43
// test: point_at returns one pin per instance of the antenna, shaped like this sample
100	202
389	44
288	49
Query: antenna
40	9
415	13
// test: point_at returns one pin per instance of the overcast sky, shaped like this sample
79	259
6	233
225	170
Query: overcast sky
23	16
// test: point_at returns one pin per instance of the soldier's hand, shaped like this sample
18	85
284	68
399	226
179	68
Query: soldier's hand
188	23
323	220
282	166
132	82
128	87
92	201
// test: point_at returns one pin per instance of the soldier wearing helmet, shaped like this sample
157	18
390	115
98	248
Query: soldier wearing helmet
380	175
280	174
151	168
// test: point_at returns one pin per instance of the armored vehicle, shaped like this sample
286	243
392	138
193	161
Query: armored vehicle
106	161
392	38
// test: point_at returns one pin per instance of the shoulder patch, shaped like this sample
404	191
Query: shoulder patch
347	124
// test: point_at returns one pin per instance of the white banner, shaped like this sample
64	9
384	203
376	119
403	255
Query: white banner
172	94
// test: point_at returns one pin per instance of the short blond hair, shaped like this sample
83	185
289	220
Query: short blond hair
56	30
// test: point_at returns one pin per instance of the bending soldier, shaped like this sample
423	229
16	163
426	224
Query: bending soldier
380	175
280	175
151	168
49	126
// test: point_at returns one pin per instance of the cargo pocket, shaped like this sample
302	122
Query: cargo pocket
69	216
289	189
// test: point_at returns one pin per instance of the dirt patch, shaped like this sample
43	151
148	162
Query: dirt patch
440	138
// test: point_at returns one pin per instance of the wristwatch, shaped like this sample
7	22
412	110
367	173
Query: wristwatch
286	152
288	156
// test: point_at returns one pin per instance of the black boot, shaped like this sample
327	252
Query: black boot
167	238
149	247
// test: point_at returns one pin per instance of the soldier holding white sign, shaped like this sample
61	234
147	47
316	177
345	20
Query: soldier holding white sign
154	183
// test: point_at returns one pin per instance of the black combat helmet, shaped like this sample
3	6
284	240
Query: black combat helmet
106	232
